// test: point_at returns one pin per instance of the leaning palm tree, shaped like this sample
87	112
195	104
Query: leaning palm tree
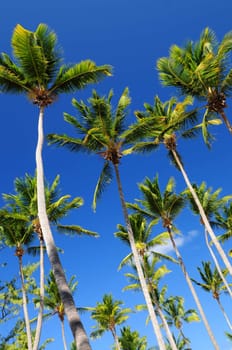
162	124
212	206
212	282
166	206
99	127
201	69
38	73
23	205
108	314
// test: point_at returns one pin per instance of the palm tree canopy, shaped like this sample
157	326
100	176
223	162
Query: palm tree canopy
211	280
38	70
130	340
155	204
99	126
108	314
199	67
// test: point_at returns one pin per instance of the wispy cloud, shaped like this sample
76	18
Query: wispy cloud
180	242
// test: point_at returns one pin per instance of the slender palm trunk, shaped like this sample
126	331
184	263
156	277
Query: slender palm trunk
79	334
217	264
25	310
166	327
63	335
224	314
203	215
117	344
192	289
142	280
41	306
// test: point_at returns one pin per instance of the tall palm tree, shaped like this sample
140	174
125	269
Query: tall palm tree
162	124
108	314
212	206
176	314
212	282
201	69
53	302
22	205
39	74
166	206
99	127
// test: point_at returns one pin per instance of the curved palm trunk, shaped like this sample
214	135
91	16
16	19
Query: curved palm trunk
166	327
203	215
217	264
142	280
63	335
41	307
192	289
224	313
25	310
75	323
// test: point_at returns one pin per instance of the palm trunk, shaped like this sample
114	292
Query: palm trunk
217	264
117	344
203	215
224	314
166	327
192	289
25	310
41	306
63	335
142	280
78	331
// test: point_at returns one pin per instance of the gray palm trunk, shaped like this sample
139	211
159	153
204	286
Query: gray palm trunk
202	214
193	291
137	262
25	309
77	328
63	335
41	307
113	331
224	313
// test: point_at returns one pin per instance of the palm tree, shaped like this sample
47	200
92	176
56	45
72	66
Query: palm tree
17	234
39	74
212	282
201	69
159	124
212	206
108	314
53	302
224	221
23	205
130	340
100	127
146	247
166	206
176	314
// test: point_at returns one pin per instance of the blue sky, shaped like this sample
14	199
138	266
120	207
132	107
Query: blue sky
131	36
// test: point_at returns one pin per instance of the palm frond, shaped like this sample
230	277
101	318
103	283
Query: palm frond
75	230
104	180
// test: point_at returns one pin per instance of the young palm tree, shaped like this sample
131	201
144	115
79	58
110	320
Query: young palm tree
39	74
212	282
212	206
176	314
130	340
166	206
99	127
159	124
201	69
53	302
108	314
23	205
